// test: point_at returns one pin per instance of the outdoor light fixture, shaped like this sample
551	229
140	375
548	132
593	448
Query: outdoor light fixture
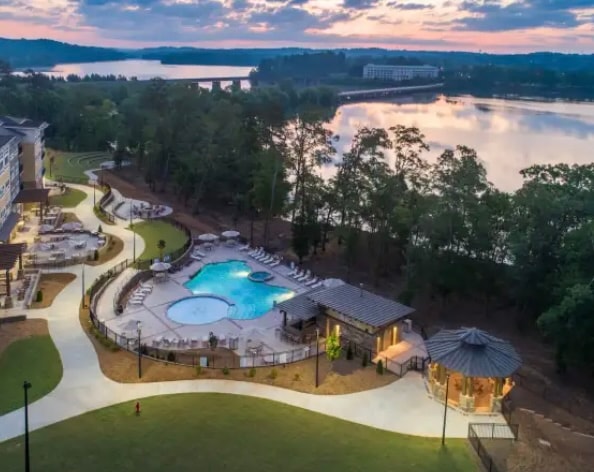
139	331
26	387
317	355
445	409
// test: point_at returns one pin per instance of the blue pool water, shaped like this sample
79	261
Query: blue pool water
230	280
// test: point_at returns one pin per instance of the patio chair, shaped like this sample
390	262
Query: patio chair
196	258
312	281
245	248
307	276
262	256
135	301
319	284
299	273
267	259
275	263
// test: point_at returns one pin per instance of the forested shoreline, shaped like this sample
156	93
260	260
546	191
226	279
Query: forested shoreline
443	228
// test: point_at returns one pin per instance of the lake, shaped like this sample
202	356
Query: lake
508	135
144	70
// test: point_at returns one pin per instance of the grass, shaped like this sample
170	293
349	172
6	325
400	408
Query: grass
34	359
73	164
191	432
69	199
154	230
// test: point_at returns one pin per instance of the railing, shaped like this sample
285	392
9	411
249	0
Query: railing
208	359
497	431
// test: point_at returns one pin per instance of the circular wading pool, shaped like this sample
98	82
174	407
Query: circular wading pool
200	309
260	276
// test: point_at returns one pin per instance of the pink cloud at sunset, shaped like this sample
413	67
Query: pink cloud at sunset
473	25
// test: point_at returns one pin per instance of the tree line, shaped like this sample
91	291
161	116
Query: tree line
443	228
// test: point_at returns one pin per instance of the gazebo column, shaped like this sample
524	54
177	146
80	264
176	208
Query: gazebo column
467	394
497	394
438	385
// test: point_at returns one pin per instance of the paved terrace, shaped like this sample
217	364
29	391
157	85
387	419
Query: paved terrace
403	406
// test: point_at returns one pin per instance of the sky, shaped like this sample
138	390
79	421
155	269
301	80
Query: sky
470	25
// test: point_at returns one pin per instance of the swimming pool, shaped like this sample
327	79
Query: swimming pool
229	280
200	309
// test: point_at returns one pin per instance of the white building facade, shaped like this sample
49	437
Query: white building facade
399	73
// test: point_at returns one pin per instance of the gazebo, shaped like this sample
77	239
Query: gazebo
475	366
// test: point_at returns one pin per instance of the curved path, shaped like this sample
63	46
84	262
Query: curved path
402	406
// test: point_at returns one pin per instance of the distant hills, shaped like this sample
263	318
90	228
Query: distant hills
24	53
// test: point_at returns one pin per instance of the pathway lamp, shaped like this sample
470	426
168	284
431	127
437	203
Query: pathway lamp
317	355
139	331
445	409
26	387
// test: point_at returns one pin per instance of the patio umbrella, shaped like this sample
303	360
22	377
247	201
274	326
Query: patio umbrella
160	267
331	283
230	234
208	237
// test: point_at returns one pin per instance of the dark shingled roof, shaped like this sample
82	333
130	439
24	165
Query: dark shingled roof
9	255
300	306
17	122
361	305
32	195
473	353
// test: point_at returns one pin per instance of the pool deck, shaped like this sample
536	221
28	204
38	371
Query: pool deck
153	312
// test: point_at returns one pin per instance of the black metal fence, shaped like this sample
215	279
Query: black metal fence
479	432
206	358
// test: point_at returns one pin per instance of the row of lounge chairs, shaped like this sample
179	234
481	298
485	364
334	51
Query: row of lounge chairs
264	258
305	277
138	296
187	342
197	255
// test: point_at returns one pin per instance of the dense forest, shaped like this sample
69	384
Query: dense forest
442	228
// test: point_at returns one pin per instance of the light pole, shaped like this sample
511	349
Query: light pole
139	330
26	387
94	197
133	235
82	279
445	409
317	355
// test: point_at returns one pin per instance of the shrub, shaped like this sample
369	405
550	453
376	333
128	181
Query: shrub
349	353
96	255
252	372
225	370
100	229
171	356
198	370
364	360
273	374
39	296
297	377
379	368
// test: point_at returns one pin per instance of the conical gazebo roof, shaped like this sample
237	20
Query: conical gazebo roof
473	352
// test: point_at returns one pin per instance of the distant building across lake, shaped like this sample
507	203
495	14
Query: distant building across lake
399	73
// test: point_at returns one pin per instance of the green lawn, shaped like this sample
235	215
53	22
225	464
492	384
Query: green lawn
71	198
73	164
215	432
154	230
35	359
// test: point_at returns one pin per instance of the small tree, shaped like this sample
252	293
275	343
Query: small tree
380	367
161	246
213	341
100	229
332	348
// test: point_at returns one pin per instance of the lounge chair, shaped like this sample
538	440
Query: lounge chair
255	252
312	281
198	253
319	284
245	248
299	273
307	276
263	257
267	260
135	301
293	268
195	258
275	263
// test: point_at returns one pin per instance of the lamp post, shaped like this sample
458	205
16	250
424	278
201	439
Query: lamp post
26	387
317	355
139	330
82	279
445	409
94	197
133	235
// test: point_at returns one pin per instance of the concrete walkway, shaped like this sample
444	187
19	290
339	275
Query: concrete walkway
402	406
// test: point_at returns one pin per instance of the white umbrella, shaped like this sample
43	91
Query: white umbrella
208	237
160	267
331	283
230	234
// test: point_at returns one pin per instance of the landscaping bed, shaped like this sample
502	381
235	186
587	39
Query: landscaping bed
112	248
50	286
69	199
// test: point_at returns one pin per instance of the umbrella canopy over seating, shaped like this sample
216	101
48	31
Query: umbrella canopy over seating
208	237
230	234
160	267
473	352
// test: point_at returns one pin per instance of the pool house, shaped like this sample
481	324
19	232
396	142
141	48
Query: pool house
352	313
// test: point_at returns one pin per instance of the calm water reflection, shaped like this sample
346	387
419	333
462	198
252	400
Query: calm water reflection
144	70
508	135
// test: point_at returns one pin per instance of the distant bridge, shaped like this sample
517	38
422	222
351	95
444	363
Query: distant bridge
384	92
